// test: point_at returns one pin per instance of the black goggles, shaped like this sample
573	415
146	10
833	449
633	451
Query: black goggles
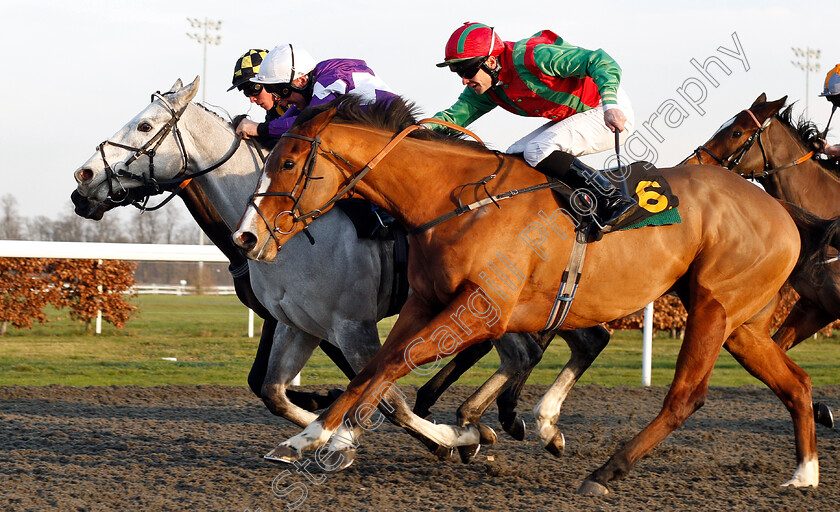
251	88
282	91
468	68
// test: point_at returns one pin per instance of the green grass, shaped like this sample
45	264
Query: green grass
208	336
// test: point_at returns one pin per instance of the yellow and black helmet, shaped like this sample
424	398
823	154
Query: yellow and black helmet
247	67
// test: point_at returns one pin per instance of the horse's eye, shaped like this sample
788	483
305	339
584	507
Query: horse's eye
144	127
737	134
288	164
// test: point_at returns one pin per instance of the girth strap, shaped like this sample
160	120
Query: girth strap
568	287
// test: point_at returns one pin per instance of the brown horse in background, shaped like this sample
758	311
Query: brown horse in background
727	260
764	143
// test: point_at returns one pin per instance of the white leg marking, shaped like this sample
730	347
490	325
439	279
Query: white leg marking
312	436
807	474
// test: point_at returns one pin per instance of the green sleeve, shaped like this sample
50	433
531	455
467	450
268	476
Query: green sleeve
565	60
469	107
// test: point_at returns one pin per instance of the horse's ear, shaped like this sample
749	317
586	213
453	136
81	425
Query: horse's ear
777	105
177	85
185	94
761	99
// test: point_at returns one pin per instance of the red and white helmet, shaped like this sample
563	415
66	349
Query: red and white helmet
470	41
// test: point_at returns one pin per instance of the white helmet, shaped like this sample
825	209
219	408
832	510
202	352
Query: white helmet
284	64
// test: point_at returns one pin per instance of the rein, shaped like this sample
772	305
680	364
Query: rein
302	184
734	158
150	186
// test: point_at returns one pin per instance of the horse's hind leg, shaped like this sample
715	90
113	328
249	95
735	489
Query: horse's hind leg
704	336
805	319
585	345
754	349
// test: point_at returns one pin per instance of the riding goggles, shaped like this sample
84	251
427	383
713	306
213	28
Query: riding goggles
251	88
281	91
468	68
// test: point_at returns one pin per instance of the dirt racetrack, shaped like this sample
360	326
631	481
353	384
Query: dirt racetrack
199	448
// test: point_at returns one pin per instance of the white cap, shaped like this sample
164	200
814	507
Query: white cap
284	64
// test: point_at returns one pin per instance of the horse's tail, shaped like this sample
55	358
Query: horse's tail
817	235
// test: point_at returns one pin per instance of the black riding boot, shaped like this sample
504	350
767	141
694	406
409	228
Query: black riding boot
576	174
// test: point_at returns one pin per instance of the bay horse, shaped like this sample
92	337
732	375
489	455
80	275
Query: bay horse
726	259
334	290
764	142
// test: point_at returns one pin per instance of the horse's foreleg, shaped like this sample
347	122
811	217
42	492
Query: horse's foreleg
419	336
518	353
704	336
803	321
290	351
509	399
585	345
413	316
757	353
429	393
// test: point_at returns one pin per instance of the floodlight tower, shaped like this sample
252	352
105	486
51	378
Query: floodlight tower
204	39
807	66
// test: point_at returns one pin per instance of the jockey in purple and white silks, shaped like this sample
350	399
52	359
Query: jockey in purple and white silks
297	81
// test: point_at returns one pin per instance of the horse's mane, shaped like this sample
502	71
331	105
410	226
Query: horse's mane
392	115
809	134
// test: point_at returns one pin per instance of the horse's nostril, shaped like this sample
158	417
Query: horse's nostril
247	240
84	175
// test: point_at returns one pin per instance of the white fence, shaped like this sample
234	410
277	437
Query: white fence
209	253
180	289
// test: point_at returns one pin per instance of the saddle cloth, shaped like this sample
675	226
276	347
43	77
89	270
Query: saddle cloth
648	187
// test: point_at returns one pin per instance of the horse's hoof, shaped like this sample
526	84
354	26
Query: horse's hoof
468	453
340	459
516	429
442	452
556	445
486	435
590	488
822	415
333	394
282	453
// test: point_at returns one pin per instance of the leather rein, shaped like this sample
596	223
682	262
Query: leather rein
306	177
734	158
151	186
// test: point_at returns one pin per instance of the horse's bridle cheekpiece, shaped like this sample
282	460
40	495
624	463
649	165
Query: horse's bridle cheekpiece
734	159
151	186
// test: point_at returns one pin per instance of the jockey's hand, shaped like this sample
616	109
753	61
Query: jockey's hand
614	119
247	129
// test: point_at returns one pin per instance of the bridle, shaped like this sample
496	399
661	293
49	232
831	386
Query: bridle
734	159
306	177
151	186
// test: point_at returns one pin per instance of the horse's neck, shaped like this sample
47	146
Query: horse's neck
807	184
211	223
227	188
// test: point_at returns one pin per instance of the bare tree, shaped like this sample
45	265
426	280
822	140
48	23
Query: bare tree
10	221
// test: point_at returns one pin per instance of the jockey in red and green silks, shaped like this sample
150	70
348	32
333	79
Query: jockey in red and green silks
577	90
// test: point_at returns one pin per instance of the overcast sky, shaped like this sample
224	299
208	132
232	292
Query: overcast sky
75	72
